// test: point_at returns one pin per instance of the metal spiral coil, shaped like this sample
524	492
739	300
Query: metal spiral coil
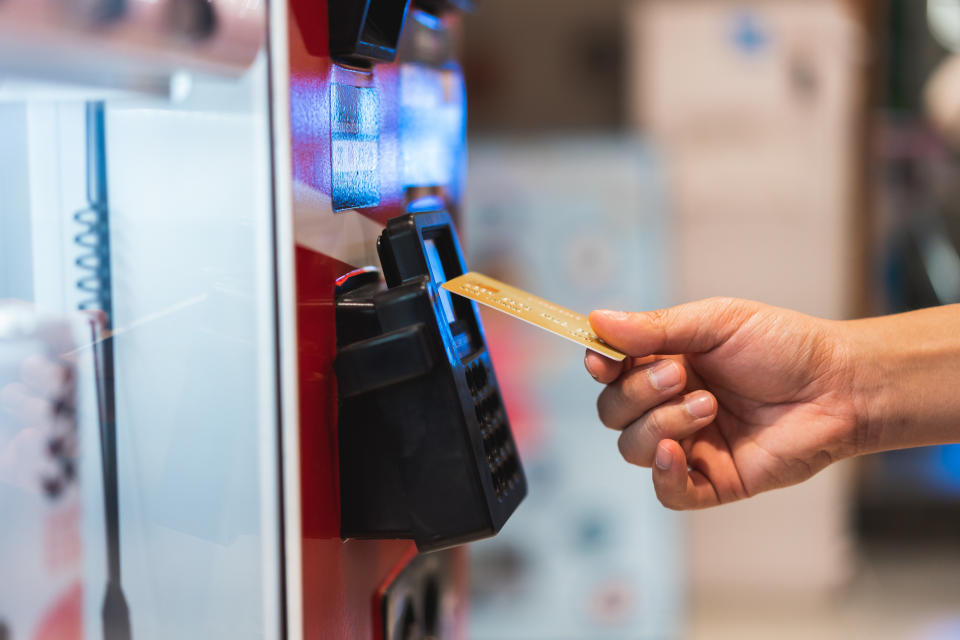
94	285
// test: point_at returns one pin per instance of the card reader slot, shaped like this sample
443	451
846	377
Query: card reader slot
425	445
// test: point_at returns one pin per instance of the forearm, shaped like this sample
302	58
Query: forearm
906	378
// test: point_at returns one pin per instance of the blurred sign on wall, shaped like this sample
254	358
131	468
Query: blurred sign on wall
581	221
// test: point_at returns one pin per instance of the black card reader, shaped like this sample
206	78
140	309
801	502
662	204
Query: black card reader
426	451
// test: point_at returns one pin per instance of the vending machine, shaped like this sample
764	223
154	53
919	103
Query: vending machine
234	400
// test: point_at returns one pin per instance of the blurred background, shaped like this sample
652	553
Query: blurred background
641	153
627	154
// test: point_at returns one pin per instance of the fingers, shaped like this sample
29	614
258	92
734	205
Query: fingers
696	327
674	420
638	391
603	369
678	487
702	473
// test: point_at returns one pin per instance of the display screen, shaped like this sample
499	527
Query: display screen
443	264
439	276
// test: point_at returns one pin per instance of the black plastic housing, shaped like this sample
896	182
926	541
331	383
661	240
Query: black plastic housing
426	451
365	31
438	7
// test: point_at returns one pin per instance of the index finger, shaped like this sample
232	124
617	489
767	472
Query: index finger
602	368
605	370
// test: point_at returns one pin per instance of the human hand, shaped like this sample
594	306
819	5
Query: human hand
727	398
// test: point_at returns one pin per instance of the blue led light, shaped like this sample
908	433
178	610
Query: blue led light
425	203
428	20
942	469
748	34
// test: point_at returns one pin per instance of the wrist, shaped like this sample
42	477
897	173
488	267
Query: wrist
905	373
869	373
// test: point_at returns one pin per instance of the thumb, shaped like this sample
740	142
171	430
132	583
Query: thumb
695	327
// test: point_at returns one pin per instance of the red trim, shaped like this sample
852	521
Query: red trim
381	592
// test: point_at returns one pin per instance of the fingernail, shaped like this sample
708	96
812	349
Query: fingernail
586	363
700	405
614	315
665	375
664	458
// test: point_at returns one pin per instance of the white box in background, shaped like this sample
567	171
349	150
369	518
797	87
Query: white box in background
754	107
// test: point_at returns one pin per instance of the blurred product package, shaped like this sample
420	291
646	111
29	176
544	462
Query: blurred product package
756	108
136	45
41	501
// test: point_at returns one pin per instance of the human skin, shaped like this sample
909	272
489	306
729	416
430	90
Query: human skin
728	398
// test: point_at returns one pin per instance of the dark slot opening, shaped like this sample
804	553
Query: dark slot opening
431	607
383	23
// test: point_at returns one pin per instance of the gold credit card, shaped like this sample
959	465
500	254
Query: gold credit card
529	308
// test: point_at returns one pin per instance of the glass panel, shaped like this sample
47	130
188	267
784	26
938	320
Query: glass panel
157	211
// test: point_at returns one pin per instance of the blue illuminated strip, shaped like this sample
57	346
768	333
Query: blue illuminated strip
432	125
354	147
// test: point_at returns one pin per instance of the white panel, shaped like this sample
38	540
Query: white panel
189	190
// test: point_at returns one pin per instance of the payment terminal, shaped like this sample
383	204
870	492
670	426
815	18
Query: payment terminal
426	451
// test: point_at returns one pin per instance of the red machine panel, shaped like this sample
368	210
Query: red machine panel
348	179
